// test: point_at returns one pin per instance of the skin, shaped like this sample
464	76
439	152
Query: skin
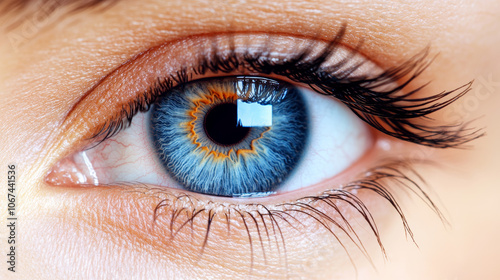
101	233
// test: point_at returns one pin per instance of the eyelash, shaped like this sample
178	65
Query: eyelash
389	111
266	219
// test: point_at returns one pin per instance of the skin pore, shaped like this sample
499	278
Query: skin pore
103	233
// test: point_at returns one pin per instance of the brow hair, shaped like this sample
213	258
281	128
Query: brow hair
24	8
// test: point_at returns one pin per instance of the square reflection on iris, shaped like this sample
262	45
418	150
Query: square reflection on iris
254	114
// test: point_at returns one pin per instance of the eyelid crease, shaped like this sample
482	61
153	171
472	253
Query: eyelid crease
192	37
385	103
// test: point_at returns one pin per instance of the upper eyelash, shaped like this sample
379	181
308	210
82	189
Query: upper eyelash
390	111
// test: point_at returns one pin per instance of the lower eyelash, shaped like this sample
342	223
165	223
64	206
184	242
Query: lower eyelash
264	223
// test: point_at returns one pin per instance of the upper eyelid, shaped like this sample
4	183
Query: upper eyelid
156	59
136	76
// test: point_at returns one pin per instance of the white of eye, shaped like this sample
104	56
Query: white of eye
337	139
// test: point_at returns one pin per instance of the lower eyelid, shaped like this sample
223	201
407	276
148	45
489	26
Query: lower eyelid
143	215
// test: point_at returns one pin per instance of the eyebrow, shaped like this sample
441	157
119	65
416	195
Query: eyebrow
27	7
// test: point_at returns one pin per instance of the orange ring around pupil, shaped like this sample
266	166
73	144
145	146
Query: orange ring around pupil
200	106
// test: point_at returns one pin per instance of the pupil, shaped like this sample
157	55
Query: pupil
221	125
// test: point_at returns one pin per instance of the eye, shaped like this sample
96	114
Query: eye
232	136
265	127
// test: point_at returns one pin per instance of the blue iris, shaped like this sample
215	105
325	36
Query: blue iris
204	144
